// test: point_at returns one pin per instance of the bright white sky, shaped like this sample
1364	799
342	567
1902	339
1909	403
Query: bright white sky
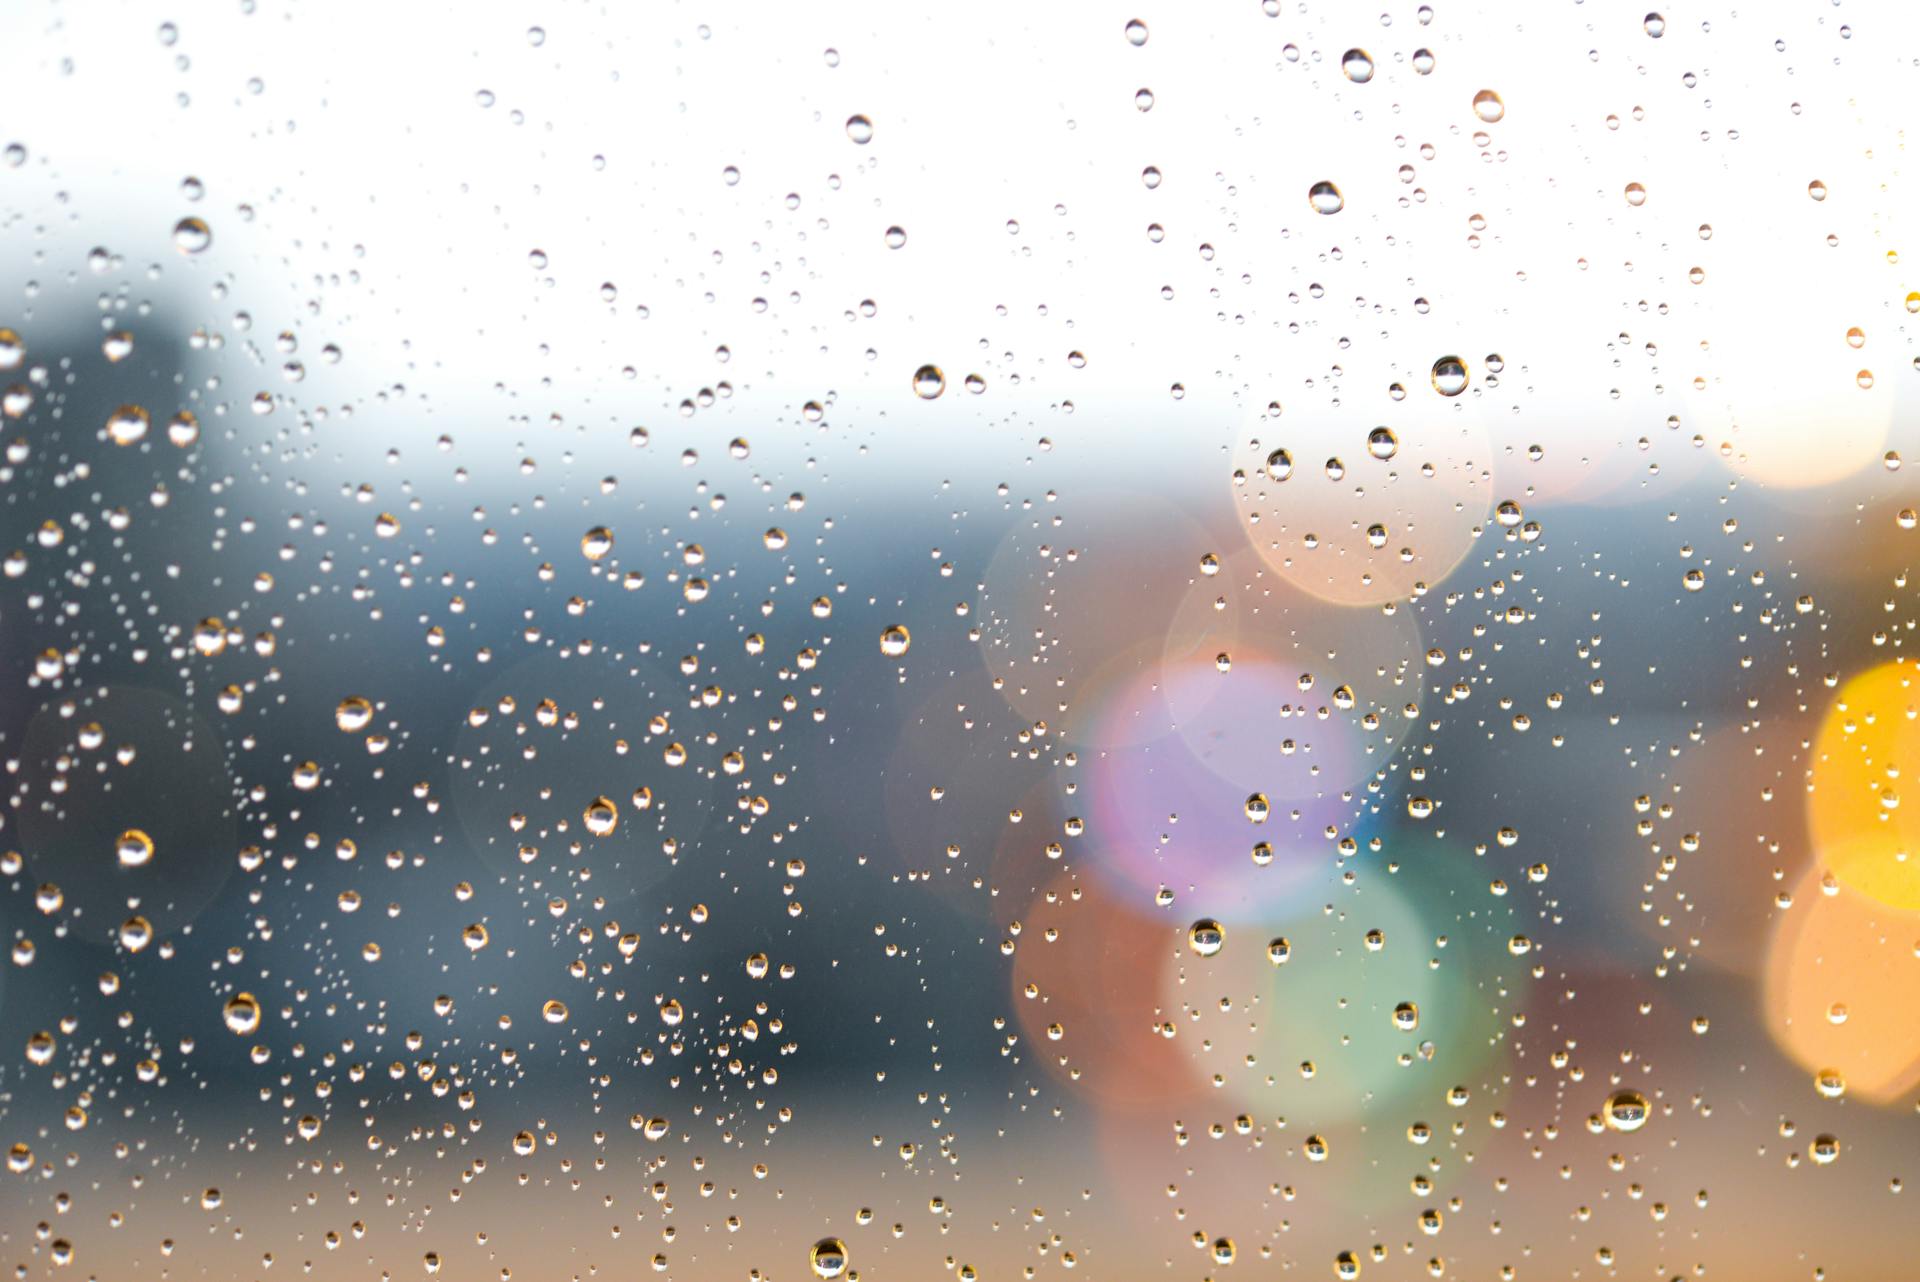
365	151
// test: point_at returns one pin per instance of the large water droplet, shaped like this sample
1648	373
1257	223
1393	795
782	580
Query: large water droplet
128	425
1325	198
134	849
600	816
828	1256
242	1013
1206	937
192	235
1626	1110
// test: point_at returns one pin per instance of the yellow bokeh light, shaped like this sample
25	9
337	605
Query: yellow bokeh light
1843	988
1869	739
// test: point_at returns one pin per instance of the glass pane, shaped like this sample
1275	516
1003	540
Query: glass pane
999	640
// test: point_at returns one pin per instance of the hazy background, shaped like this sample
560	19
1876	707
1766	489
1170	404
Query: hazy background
484	278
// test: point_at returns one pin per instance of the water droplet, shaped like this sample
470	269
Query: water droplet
1449	376
134	848
1636	195
136	932
1357	66
1423	62
895	640
1817	189
596	543
1488	106
192	235
1206	937
242	1014
1655	25
1382	443
929	382
1136	33
1626	1110
828	1256
1279	465
353	714
128	425
1325	198
601	816
860	129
